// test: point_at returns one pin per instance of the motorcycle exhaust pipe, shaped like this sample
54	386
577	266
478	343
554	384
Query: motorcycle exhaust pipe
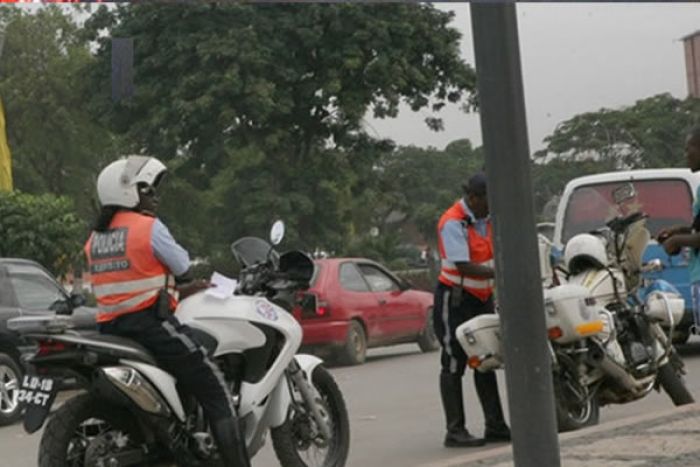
599	359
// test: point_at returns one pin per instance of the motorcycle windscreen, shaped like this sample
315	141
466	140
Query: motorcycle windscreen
253	250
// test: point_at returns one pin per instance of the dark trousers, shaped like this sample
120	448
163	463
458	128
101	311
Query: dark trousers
448	314
178	352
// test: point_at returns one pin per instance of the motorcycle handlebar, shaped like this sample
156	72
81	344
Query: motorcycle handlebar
619	224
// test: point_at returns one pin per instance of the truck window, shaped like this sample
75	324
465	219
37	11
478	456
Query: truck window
667	202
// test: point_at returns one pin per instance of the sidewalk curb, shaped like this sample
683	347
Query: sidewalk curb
465	459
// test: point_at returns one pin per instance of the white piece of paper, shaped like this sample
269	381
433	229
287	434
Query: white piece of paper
222	286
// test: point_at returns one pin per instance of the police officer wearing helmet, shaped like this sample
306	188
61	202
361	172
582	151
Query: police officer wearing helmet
465	290
137	270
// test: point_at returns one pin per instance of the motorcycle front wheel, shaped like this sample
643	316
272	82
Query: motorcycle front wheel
574	406
673	385
84	430
298	442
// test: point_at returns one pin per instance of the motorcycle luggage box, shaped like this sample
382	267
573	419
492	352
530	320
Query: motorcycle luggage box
480	338
663	307
571	313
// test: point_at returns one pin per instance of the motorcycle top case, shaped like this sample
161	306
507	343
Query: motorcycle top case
480	337
571	313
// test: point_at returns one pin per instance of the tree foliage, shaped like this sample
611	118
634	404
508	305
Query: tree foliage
56	144
44	228
259	109
649	133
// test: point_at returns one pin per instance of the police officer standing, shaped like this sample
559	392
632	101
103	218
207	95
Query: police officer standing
465	290
137	269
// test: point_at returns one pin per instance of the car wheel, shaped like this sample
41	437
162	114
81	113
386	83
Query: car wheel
355	349
427	340
10	378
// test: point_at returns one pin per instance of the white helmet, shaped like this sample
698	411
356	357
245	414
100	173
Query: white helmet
117	183
584	251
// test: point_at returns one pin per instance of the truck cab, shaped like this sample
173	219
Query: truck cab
665	195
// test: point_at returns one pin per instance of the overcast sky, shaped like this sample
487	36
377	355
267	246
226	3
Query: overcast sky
575	58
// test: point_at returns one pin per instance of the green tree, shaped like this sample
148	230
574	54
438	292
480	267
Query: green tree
422	183
56	145
262	105
648	134
44	228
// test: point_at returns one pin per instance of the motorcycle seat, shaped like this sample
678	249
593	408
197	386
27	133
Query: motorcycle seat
120	347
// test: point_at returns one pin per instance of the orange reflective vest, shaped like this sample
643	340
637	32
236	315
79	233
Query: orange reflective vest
480	252
126	275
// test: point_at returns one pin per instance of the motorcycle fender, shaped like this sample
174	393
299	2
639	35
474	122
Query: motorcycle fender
163	381
280	398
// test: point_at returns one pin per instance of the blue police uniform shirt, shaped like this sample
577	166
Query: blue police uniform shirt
694	260
454	235
168	251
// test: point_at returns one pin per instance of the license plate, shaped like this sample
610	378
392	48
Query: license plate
38	394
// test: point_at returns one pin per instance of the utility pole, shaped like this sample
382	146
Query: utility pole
504	130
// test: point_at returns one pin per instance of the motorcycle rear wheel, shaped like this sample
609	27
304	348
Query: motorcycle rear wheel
673	385
293	442
74	429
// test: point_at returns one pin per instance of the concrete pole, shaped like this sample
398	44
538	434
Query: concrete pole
519	290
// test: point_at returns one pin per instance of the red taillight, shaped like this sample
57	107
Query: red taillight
554	333
474	362
310	305
322	309
49	347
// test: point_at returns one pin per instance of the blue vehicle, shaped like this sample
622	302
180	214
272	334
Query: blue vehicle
665	195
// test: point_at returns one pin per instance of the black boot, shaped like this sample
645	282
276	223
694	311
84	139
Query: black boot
230	441
487	390
453	404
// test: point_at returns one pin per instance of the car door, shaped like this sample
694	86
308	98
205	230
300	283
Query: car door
35	291
399	316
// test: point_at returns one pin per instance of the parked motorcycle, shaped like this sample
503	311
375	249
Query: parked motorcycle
132	413
604	325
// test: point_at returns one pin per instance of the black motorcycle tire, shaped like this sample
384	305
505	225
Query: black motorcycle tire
64	422
285	442
673	384
568	420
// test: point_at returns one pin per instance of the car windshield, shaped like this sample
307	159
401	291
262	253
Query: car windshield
252	250
667	202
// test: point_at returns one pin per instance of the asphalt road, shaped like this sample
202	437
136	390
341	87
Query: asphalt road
395	413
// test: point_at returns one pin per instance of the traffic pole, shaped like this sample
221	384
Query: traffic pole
519	288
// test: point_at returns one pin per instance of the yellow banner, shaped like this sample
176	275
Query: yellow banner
5	157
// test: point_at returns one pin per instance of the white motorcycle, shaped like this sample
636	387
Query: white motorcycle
605	326
132	413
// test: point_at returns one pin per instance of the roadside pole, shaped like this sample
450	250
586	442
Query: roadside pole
504	130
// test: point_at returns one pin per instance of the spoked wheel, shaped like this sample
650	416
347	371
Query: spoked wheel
300	443
576	408
88	432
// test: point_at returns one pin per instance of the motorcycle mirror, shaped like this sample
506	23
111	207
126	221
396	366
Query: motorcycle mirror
277	232
623	193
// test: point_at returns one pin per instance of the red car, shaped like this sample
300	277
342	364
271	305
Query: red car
356	303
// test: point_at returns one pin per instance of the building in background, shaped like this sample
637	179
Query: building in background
691	43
